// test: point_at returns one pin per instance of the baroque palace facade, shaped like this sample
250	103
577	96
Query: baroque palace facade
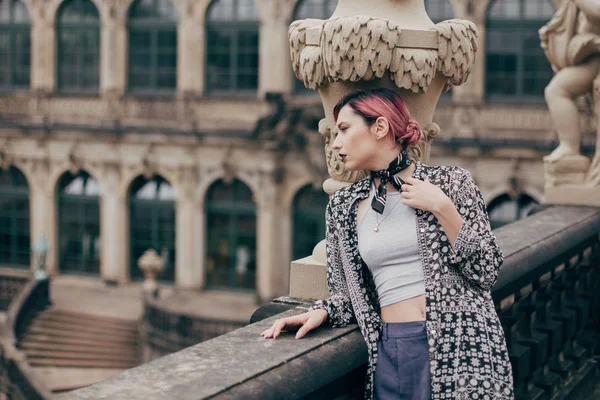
173	124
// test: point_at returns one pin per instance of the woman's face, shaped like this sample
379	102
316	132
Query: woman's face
355	142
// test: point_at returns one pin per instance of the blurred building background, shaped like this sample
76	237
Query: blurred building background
179	126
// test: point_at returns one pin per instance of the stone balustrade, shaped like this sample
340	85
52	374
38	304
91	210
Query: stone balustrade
547	296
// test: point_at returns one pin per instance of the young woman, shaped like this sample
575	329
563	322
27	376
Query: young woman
411	258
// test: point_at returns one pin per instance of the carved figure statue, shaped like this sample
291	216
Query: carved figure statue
571	41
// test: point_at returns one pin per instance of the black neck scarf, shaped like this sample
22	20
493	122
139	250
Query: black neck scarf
398	164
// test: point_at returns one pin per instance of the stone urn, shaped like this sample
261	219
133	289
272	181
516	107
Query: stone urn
382	43
151	264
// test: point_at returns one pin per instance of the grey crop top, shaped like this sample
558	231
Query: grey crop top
392	253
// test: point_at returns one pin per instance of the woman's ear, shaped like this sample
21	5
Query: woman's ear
381	127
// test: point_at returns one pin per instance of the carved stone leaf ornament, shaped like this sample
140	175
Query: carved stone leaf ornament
364	48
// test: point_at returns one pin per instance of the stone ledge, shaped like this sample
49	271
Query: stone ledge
240	364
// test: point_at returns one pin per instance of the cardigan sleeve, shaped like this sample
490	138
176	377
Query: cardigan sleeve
475	252
338	305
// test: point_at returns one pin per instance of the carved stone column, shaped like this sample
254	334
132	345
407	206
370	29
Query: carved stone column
191	46
112	214
188	273
113	42
43	212
380	43
42	48
268	268
274	64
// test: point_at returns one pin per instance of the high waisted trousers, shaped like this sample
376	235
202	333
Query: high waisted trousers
402	371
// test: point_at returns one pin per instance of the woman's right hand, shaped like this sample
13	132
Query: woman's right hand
307	321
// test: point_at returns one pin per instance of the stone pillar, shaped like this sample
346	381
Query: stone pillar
473	90
268	249
43	49
113	49
43	213
188	274
191	43
274	59
112	213
381	43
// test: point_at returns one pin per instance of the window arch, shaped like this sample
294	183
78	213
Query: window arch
515	62
79	223
505	209
308	220
320	9
152	223
439	10
232	46
15	45
231	236
152	51
15	242
78	47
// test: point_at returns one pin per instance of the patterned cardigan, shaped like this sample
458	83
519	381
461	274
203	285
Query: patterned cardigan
467	348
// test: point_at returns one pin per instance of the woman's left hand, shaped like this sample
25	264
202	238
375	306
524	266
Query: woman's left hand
424	195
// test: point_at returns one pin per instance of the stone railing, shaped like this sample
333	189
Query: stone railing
166	331
12	282
547	296
18	380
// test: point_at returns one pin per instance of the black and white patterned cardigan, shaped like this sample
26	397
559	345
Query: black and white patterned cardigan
467	348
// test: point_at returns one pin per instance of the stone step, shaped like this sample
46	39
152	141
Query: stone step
86	349
57	362
68	355
82	335
71	327
52	311
44	338
56	318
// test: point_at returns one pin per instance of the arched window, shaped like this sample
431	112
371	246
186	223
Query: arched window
439	10
79	223
320	9
15	242
15	45
78	48
232	46
152	223
152	46
505	209
308	220
231	236
515	62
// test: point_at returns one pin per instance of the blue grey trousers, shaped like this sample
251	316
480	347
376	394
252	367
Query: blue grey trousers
402	371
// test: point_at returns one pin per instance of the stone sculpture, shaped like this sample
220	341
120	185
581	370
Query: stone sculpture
379	43
571	41
384	43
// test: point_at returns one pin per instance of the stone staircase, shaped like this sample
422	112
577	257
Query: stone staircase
71	350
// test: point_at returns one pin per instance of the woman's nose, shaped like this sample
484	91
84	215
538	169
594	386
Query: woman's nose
337	144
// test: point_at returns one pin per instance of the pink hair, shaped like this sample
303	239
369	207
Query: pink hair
381	102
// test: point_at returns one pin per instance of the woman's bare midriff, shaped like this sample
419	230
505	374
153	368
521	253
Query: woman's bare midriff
408	310
412	309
